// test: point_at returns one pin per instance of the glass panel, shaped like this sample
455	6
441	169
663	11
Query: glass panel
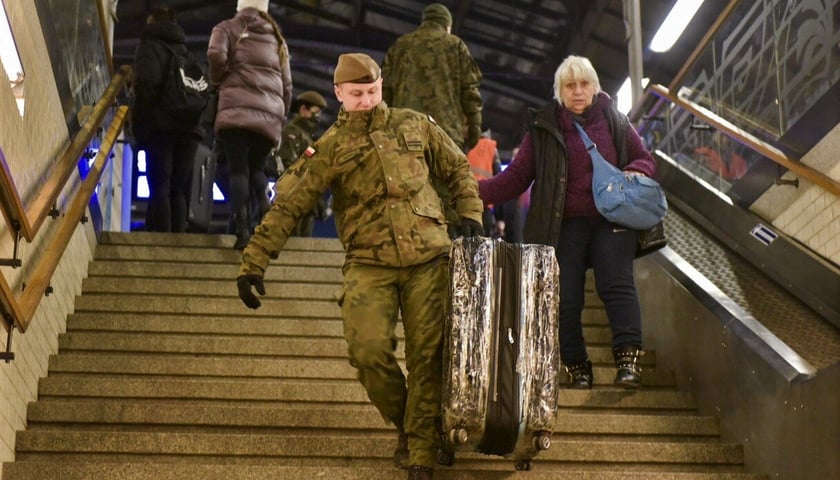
704	152
771	62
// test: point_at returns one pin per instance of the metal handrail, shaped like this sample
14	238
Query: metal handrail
29	220
48	259
19	311
749	140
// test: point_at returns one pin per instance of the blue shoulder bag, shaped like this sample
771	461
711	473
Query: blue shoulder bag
633	201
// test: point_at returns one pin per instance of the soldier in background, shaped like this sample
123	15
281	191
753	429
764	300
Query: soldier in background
298	134
432	71
377	161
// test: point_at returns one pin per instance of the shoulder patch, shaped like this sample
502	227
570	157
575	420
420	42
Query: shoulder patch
310	150
431	119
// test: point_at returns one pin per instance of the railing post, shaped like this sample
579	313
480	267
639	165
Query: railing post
8	355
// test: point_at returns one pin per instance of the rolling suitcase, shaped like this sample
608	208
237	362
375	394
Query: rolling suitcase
200	209
501	350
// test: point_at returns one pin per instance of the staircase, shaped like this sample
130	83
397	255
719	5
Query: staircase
164	374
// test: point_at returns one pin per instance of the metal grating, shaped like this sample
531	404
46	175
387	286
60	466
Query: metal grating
802	329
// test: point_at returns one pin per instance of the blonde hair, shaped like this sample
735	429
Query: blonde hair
578	68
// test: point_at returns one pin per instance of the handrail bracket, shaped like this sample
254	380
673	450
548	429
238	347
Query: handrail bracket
13	262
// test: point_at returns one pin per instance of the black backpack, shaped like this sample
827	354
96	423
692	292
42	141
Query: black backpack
186	89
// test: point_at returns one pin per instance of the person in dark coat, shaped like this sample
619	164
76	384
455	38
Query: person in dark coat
562	213
249	64
170	144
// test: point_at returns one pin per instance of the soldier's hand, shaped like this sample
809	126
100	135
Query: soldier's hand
471	228
473	134
244	283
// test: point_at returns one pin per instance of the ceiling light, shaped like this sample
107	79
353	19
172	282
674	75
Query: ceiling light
674	24
624	96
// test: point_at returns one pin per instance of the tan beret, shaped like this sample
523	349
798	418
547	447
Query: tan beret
312	97
356	68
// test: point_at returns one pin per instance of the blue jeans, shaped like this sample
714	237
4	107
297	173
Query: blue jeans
592	242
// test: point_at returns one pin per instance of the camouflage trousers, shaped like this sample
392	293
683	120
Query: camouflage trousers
374	298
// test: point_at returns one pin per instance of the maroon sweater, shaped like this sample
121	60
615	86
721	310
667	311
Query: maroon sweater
579	202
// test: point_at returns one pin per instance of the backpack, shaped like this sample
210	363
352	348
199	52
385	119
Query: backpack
186	90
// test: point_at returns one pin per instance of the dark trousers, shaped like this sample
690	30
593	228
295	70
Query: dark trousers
609	250
169	157
246	154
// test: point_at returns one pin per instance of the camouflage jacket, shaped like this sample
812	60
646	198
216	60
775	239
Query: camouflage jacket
378	164
432	71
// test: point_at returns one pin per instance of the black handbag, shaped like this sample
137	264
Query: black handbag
651	240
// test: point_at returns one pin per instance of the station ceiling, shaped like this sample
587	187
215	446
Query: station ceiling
518	43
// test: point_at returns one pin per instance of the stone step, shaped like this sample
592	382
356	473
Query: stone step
195	255
190	471
252	366
300	345
67	385
205	287
209	271
171	415
215	324
205	305
70	385
285	448
209	241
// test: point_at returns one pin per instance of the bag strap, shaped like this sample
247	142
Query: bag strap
587	142
600	165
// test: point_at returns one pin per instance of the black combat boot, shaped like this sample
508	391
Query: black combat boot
401	452
240	225
418	472
580	375
629	374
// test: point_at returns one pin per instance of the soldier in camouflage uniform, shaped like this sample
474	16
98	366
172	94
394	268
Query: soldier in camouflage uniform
432	71
297	136
377	161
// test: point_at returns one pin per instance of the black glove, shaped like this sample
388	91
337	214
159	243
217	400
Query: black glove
244	283
471	228
473	134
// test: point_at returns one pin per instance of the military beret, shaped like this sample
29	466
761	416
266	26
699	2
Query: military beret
437	13
312	97
356	68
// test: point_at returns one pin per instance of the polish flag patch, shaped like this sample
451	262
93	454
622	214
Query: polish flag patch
309	151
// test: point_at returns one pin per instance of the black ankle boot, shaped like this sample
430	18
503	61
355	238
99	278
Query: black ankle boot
580	375
240	225
418	472
629	374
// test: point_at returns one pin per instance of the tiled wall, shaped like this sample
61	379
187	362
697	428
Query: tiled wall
29	144
808	213
19	378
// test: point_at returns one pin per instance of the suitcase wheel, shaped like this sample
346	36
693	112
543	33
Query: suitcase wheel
542	441
458	436
522	465
446	458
